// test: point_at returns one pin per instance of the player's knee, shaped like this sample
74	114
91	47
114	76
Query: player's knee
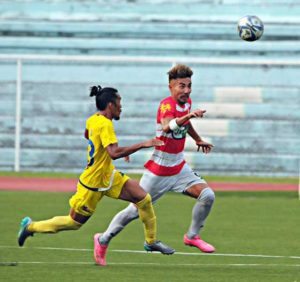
207	196
74	225
144	202
145	209
147	199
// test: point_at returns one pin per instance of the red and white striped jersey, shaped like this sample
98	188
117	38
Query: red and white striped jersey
168	160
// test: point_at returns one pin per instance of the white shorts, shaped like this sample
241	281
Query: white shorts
156	185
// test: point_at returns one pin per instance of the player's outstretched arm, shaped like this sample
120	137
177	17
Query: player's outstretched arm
117	152
169	124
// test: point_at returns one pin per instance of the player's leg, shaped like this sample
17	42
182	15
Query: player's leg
133	192
53	225
101	240
200	212
142	205
150	183
83	204
196	187
119	222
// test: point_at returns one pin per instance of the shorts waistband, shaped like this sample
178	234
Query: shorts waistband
100	189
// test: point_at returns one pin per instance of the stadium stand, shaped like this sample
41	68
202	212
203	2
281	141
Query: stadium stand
253	116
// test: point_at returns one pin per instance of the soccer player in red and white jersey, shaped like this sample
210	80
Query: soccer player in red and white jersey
167	170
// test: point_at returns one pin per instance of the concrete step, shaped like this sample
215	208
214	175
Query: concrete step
218	163
227	144
208	29
185	11
55	92
153	74
145	109
207	127
147	46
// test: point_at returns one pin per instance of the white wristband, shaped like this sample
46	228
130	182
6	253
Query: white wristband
173	124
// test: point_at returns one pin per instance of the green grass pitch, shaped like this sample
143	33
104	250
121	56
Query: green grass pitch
256	235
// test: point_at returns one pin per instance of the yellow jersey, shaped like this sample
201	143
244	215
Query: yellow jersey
99	170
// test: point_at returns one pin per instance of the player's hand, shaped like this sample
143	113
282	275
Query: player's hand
153	142
127	159
198	113
205	146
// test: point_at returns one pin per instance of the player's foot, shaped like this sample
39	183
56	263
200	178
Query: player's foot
23	232
99	250
198	243
158	246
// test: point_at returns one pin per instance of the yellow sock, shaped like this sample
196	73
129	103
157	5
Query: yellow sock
147	215
53	225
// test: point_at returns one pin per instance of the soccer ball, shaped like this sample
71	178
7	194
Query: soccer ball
250	28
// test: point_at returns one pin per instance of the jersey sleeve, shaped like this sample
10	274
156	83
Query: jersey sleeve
166	110
108	135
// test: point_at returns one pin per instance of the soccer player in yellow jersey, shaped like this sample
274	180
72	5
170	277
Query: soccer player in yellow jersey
100	178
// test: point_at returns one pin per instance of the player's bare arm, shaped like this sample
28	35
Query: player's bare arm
169	122
200	143
117	152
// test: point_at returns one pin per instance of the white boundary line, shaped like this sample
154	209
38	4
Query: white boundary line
144	252
214	254
151	263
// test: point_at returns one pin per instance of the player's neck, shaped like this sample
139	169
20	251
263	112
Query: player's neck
177	102
107	114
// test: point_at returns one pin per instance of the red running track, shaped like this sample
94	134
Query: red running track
69	185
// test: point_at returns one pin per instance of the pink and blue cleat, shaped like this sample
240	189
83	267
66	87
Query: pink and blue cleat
99	250
198	243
